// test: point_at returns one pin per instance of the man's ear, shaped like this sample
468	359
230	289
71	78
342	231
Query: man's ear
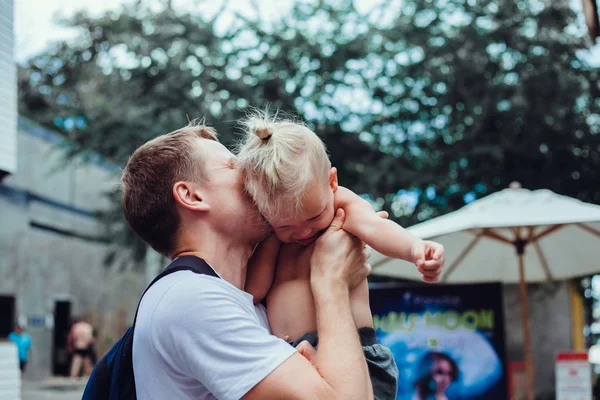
333	180
188	196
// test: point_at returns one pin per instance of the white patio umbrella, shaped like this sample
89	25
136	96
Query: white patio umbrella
515	235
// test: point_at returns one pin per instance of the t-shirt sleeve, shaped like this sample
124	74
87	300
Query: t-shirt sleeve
213	334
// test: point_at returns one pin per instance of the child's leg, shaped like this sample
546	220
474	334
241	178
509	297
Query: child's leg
290	309
382	367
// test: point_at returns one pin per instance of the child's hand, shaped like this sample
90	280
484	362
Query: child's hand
429	257
307	350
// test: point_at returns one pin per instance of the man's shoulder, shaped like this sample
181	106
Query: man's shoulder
181	284
185	290
185	302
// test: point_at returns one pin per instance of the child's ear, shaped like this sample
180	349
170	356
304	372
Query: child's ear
333	180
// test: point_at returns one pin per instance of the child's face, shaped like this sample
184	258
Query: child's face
316	213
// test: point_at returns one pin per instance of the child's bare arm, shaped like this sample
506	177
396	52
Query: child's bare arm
261	268
389	238
383	235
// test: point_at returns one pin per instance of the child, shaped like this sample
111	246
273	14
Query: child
289	176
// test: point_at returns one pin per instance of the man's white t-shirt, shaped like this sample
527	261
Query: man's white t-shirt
199	337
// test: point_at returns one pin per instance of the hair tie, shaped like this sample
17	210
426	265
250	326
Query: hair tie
263	133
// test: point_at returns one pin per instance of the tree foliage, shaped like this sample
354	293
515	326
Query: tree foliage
424	105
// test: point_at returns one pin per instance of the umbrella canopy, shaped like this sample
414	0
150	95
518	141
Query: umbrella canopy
560	235
515	235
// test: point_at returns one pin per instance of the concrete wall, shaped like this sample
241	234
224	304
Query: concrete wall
44	212
549	319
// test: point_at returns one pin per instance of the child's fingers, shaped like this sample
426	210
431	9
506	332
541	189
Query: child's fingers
307	350
431	273
431	265
430	280
419	255
383	214
438	252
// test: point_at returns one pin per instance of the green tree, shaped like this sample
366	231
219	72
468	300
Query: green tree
446	99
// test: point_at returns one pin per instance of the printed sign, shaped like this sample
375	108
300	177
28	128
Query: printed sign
573	376
448	340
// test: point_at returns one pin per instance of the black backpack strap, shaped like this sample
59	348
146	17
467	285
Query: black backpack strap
183	263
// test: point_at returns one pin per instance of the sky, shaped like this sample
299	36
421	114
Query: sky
34	22
35	26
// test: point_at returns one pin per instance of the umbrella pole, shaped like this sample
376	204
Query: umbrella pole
525	318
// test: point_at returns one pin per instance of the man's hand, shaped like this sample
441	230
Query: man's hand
429	257
338	256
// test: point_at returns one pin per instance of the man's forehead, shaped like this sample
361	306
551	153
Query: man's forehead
208	147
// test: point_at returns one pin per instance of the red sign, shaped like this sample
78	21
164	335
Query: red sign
572	356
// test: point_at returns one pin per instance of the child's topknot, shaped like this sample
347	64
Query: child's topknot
278	158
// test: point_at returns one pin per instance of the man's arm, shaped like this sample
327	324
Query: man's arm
261	269
339	370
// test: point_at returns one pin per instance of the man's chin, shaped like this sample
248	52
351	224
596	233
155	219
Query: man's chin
265	232
261	226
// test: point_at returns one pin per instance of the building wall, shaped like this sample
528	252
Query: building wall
8	90
47	251
549	321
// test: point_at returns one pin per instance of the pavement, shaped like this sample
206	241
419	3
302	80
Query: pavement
56	388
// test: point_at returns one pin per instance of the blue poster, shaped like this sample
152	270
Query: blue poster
448	340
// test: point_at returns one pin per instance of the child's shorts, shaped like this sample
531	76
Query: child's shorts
382	367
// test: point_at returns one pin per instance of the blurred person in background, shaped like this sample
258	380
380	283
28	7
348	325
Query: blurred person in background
23	342
80	344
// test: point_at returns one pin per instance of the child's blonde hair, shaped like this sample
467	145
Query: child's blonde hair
278	158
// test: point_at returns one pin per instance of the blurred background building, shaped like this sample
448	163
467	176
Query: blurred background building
8	91
54	248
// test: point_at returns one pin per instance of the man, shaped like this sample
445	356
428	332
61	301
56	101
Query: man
23	342
80	343
201	337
